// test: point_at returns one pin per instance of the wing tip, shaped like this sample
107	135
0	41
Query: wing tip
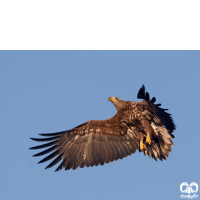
142	95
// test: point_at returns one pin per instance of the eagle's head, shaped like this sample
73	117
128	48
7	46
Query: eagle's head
119	104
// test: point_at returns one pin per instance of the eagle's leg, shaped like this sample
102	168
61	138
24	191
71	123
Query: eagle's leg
142	145
148	139
140	136
148	129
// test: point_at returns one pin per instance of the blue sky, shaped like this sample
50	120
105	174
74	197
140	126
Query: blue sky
51	91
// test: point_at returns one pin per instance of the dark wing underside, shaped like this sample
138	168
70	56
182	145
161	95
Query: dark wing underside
92	143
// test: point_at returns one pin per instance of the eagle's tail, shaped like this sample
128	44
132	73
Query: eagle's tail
160	144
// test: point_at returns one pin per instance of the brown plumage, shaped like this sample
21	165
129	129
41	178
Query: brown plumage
142	126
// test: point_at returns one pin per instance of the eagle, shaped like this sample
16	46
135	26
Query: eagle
143	126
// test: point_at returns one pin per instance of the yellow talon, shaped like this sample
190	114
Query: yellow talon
148	139
142	145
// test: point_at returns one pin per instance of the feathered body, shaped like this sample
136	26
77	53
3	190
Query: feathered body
142	126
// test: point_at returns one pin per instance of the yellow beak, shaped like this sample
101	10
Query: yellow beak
111	99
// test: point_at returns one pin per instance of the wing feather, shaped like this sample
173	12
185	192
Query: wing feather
80	159
109	152
44	145
54	162
101	152
46	151
55	153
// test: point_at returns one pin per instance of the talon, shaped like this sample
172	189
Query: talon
148	139
142	145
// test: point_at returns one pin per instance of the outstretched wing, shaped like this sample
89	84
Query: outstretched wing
161	124
92	143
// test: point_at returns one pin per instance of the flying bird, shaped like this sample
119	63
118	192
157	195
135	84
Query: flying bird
142	126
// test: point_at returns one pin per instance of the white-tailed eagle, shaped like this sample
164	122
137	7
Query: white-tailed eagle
142	126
